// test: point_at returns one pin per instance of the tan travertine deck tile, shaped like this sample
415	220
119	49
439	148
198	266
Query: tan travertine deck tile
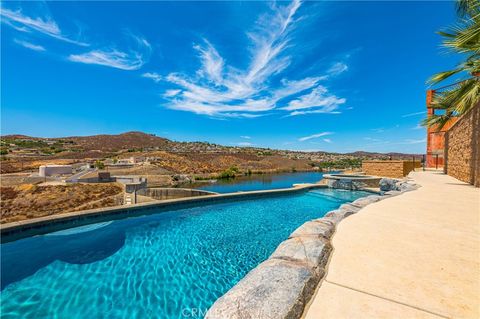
336	302
420	249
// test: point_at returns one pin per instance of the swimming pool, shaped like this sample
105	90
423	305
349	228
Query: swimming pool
165	265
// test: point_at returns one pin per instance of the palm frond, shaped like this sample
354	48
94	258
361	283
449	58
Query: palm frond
467	96
439	77
437	121
467	7
463	38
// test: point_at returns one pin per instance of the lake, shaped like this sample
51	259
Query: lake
258	182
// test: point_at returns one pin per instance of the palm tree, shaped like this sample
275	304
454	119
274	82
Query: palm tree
462	38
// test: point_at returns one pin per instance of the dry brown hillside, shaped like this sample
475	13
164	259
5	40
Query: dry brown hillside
129	140
31	201
198	163
23	153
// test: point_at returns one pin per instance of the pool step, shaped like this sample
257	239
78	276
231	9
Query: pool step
326	197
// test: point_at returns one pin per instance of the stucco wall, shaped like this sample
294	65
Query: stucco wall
395	169
49	170
462	148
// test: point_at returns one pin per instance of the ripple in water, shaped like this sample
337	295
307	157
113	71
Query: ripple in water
162	265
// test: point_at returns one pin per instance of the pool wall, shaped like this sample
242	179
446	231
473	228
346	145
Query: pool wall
351	182
283	285
37	226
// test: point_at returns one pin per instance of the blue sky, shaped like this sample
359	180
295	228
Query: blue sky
334	76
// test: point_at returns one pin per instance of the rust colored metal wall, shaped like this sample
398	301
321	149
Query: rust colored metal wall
435	138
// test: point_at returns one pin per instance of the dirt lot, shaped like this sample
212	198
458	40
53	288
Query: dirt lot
30	201
30	164
13	179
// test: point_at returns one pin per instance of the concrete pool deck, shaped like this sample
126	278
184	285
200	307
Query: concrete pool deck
411	256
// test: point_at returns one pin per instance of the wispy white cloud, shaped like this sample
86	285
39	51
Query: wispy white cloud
373	144
327	140
378	142
29	45
295	113
111	58
414	141
130	60
219	89
212	63
245	137
392	128
378	130
244	144
42	25
414	114
372	139
418	127
338	68
306	138
236	115
318	98
152	75
170	93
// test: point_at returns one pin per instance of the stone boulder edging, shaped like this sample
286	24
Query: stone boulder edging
282	285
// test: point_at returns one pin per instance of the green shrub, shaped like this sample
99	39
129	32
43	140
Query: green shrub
99	164
342	163
228	173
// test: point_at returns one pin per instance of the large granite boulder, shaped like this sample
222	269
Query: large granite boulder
310	250
405	187
346	183
181	178
351	207
321	227
391	193
337	215
364	201
388	184
276	288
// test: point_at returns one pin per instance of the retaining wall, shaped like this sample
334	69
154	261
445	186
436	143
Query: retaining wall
395	169
462	148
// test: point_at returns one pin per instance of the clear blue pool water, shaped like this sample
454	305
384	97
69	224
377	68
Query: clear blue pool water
260	181
160	265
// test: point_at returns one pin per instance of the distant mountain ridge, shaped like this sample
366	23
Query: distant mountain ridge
105	142
140	140
128	140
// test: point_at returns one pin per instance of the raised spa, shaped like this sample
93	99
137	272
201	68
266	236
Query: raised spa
351	181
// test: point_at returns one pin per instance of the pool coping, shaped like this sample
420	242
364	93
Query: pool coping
283	285
351	177
37	226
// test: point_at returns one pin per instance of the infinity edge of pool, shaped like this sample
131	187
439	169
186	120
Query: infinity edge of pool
47	224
